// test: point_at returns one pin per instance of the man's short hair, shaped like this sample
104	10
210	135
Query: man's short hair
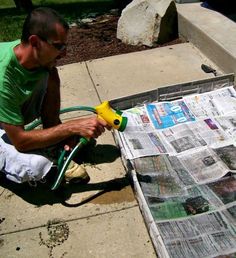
41	21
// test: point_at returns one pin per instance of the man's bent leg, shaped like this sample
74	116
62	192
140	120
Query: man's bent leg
21	167
35	165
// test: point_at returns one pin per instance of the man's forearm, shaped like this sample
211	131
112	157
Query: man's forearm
90	127
37	138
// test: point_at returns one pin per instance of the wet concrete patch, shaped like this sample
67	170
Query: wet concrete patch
124	195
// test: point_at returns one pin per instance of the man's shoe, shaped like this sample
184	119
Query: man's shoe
76	173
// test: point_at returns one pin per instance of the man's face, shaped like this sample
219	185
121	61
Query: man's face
53	48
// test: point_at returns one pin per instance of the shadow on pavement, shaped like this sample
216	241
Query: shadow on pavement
101	153
42	193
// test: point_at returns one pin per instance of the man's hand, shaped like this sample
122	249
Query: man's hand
91	127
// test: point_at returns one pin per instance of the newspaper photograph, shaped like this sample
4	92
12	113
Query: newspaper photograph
192	202
214	103
168	114
225	189
228	124
215	202
228	156
203	165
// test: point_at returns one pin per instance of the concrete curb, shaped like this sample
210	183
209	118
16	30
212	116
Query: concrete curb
201	27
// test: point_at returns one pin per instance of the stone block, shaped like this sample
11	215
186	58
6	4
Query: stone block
148	22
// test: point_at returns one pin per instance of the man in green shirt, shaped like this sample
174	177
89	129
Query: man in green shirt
30	88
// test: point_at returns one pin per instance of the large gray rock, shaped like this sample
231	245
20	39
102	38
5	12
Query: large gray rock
147	22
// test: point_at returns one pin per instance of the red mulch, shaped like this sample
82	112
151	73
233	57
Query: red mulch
97	39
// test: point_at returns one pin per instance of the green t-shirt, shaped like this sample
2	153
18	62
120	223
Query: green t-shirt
21	90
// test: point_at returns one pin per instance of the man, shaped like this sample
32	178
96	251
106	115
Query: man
30	88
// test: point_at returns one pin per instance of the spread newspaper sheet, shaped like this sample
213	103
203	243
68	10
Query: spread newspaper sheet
184	156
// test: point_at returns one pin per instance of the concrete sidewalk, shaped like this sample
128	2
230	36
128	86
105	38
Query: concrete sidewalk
36	222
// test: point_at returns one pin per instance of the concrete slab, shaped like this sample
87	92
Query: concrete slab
127	74
76	86
84	238
107	171
213	33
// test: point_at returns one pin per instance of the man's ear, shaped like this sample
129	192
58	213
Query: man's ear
34	41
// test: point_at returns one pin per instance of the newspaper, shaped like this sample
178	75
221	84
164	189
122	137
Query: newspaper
208	235
215	103
184	155
189	136
140	138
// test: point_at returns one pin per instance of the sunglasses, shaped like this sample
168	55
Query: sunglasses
59	46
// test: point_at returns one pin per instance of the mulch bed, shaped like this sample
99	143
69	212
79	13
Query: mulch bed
97	39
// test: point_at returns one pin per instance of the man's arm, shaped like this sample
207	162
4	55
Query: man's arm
53	130
90	127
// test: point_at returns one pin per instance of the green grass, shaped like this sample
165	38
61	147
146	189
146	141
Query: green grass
11	19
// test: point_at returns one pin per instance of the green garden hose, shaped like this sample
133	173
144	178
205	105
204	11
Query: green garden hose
64	160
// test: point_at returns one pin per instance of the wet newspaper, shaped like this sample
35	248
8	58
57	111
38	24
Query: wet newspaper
184	156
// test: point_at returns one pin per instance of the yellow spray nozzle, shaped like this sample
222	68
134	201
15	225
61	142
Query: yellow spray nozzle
112	117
